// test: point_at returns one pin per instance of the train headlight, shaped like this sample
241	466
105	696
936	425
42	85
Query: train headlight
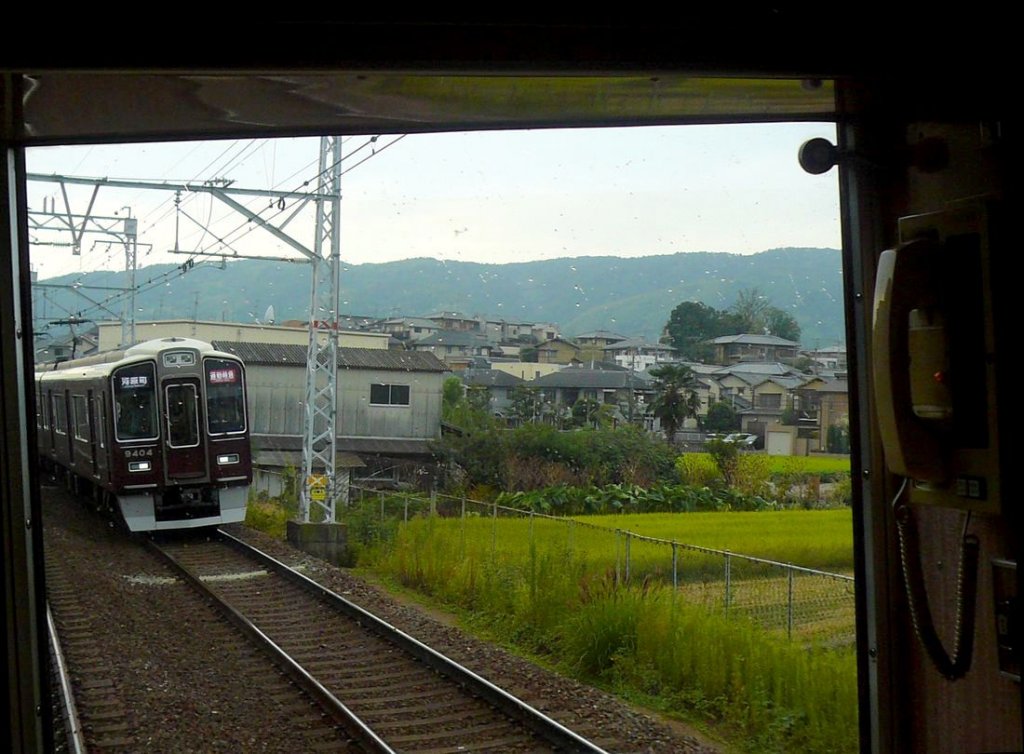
139	466
227	458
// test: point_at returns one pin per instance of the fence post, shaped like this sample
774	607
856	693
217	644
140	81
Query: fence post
617	559
380	497
531	528
789	605
629	540
728	580
406	513
675	568
494	530
433	503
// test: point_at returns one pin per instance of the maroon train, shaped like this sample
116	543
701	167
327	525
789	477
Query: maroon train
157	431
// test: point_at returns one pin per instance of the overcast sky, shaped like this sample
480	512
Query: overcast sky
486	197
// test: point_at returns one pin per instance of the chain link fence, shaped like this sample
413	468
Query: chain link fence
808	605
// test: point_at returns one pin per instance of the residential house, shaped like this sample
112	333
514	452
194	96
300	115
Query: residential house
456	347
498	384
629	392
592	344
733	349
823	403
831	360
408	329
455	321
544	331
558	351
638	354
526	370
388	404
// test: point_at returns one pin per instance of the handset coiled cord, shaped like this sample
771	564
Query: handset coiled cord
957	665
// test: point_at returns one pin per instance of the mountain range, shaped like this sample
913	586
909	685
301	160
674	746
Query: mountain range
630	296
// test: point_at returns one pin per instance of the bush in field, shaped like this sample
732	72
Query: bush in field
537	455
697	469
726	457
752	474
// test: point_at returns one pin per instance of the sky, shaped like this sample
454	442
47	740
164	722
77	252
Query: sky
494	197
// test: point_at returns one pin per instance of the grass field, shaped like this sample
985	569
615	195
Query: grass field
812	539
717	647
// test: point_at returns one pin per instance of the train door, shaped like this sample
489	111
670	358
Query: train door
183	447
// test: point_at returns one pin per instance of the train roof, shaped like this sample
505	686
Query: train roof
102	364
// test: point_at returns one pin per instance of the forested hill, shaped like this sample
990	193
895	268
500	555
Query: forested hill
630	296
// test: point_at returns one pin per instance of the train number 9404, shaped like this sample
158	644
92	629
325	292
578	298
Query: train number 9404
138	453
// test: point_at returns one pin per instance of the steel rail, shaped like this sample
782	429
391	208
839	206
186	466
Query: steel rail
75	735
542	725
334	706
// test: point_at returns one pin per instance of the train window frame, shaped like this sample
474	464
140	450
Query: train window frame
80	416
116	393
59	410
99	412
391	399
208	385
195	415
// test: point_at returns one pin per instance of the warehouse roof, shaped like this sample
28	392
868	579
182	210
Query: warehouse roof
348	358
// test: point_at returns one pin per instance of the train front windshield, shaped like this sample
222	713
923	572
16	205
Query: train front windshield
225	397
135	415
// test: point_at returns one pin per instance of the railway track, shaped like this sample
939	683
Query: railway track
390	692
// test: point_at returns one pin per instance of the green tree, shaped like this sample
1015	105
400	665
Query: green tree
721	418
675	399
754	313
451	393
689	325
527	404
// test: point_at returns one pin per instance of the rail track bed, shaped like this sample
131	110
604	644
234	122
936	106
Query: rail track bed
397	694
153	666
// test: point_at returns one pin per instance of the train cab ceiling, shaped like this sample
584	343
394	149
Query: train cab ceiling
63	107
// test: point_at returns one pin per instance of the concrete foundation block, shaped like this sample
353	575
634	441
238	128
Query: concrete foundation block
324	540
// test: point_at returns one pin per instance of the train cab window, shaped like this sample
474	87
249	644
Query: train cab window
135	402
182	416
225	397
81	415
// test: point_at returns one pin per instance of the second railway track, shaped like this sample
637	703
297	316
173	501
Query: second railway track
392	692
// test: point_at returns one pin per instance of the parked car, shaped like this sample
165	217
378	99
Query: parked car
743	439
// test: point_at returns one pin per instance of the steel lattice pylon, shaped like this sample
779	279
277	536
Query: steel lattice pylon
320	486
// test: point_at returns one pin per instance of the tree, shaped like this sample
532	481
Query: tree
689	325
755	314
721	418
451	394
675	399
527	403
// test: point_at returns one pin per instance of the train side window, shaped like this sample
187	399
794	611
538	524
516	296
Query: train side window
81	417
135	402
59	424
100	413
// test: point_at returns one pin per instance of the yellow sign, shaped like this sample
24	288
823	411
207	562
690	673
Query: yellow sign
316	480
318	493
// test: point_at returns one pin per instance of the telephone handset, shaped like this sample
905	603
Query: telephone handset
933	364
911	364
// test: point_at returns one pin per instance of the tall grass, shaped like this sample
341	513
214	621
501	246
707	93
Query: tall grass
544	585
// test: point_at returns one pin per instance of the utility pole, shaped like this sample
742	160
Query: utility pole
321	487
131	260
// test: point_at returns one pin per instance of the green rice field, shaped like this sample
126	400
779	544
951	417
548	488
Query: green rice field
760	650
